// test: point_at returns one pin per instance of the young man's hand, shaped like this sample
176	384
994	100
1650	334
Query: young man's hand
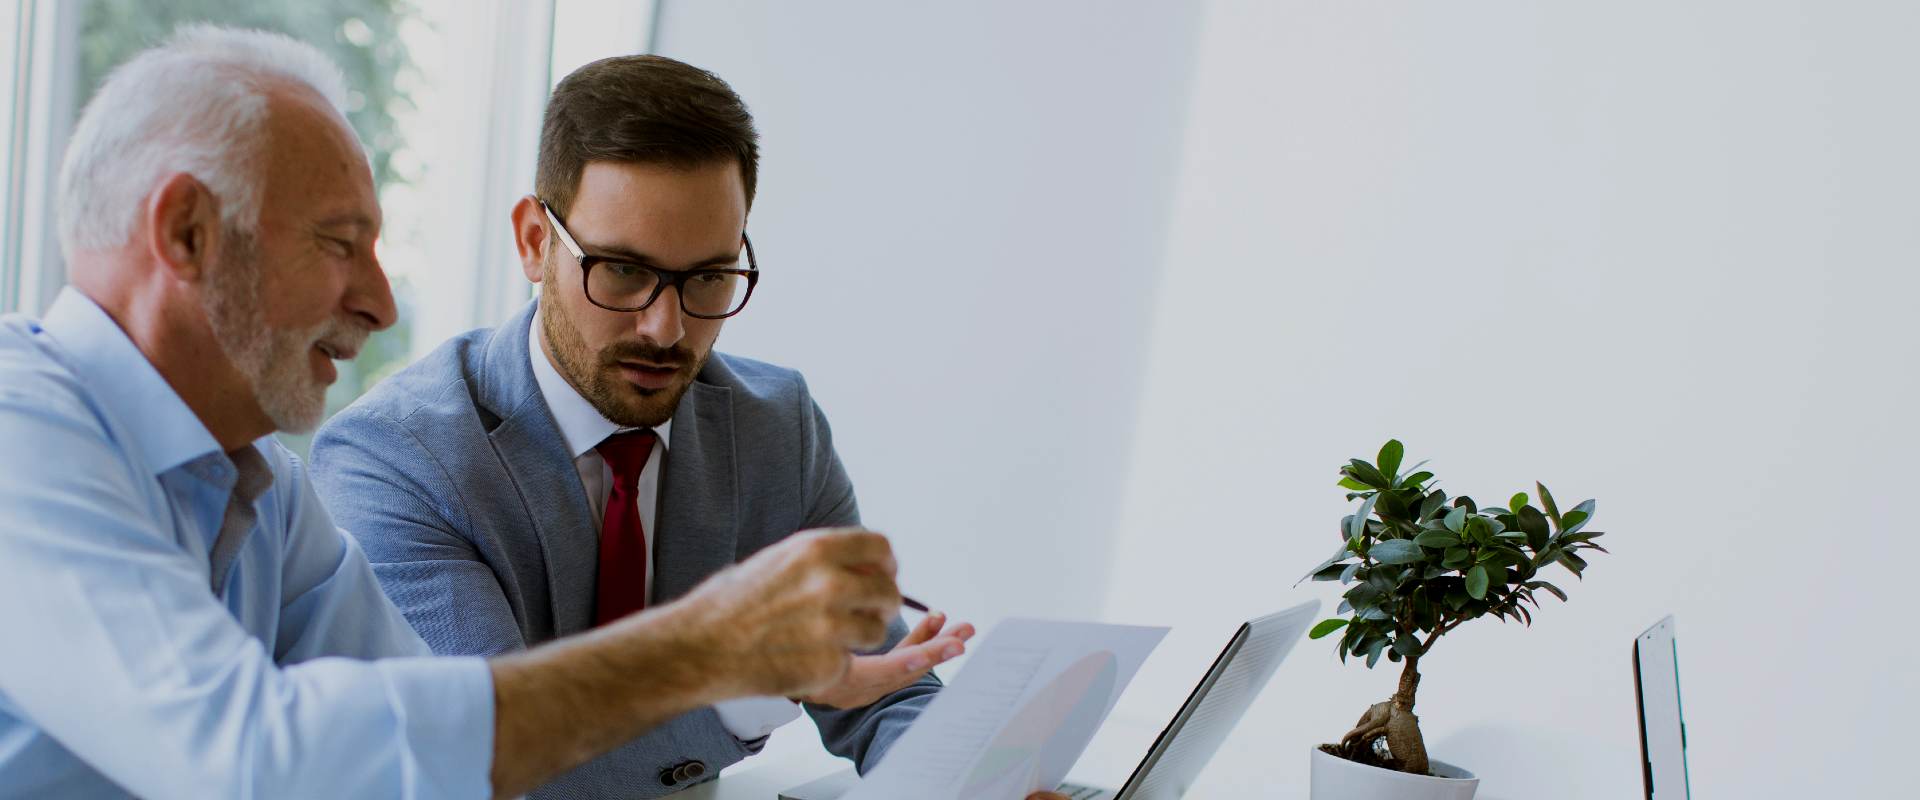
869	678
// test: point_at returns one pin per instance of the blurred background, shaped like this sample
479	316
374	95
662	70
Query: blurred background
1099	295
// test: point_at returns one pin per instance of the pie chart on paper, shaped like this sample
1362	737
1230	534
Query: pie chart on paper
1073	702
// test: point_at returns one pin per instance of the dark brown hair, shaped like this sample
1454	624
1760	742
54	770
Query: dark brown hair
641	109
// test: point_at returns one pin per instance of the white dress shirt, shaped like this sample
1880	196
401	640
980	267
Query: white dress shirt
584	429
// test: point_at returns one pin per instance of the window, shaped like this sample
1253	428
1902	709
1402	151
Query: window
446	94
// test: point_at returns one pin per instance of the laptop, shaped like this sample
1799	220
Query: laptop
1197	730
1663	734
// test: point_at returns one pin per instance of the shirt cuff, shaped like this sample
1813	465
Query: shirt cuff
751	718
447	704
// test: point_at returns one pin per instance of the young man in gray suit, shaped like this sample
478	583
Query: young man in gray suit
593	457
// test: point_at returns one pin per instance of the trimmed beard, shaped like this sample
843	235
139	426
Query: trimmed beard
593	374
274	362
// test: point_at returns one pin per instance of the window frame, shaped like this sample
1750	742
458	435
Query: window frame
43	70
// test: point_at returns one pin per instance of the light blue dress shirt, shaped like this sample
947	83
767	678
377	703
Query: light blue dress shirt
121	674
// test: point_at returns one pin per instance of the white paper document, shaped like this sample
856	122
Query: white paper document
1017	716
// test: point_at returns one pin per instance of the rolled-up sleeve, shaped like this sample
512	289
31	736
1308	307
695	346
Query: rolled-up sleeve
116	649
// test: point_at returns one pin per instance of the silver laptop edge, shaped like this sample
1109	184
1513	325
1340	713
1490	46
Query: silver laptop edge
1165	771
1278	633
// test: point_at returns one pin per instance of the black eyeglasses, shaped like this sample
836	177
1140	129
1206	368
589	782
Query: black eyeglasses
618	285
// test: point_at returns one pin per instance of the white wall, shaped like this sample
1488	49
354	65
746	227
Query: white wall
1661	254
1655	253
960	217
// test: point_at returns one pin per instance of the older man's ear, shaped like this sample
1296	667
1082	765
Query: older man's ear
181	219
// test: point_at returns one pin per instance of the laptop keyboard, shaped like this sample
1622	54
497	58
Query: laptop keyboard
1074	791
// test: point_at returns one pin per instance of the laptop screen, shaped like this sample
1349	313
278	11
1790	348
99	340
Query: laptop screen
1663	734
1218	703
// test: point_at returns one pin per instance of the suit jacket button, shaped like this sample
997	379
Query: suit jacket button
694	770
670	776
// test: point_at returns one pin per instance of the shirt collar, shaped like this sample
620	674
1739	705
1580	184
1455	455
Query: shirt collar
165	432
580	423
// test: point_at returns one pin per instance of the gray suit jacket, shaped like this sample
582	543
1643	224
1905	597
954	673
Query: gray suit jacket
458	484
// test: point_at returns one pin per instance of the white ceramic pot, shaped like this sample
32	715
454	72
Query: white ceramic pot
1335	778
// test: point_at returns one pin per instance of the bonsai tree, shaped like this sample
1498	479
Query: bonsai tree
1419	565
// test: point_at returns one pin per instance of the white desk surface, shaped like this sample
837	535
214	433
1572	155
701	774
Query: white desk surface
1253	763
794	756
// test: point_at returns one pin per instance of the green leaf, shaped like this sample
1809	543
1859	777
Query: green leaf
1396	551
1477	583
1436	539
1358	525
1584	508
1546	499
1518	502
1325	627
1572	521
1354	485
1549	587
1413	481
1364	594
1346	575
1393	506
1479	530
1389	459
1456	518
1406	645
1367	474
1331	573
1374	646
1340	555
1535	525
1432	504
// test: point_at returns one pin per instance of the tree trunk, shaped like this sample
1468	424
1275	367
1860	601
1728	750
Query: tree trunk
1393	721
1404	739
1409	684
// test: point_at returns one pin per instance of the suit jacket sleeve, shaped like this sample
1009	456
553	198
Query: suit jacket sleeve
386	489
860	734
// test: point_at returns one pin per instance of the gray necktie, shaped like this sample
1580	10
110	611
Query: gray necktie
254	478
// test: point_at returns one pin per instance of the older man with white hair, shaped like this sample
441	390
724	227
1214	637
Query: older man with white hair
178	615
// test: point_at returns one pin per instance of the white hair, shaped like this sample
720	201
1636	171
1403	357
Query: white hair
196	104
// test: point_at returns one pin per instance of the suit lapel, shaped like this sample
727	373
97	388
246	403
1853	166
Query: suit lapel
529	445
696	526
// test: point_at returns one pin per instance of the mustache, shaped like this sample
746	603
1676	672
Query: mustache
675	356
346	335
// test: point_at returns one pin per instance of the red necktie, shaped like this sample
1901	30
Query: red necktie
622	586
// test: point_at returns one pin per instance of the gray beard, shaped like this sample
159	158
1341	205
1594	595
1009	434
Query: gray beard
274	362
